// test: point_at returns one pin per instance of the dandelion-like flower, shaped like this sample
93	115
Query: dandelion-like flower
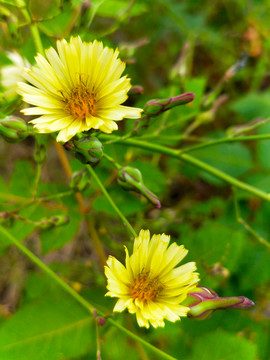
149	284
77	89
12	74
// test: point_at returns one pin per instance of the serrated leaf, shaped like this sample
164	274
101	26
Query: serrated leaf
53	328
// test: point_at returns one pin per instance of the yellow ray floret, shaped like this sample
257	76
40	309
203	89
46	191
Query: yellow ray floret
150	285
77	88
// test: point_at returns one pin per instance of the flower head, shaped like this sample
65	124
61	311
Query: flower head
12	74
77	89
149	284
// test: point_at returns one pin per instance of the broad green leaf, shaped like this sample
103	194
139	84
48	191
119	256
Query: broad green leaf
223	346
233	159
52	328
22	180
253	105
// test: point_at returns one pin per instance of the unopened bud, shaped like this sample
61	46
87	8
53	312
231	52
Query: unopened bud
13	129
101	321
88	150
157	106
5	218
204	301
130	178
80	180
136	89
53	221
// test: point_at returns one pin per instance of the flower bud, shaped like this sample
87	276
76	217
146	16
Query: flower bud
88	150
5	218
157	106
204	301
53	221
80	180
13	129
130	178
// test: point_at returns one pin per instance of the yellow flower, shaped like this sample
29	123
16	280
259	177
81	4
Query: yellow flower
12	74
77	89
150	285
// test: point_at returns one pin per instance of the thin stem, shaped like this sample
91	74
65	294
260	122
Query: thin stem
111	160
34	31
47	270
78	297
37	178
95	239
225	140
143	342
105	192
195	162
246	225
67	169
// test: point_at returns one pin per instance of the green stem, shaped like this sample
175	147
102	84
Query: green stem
105	192
36	180
245	224
47	270
143	342
193	161
34	31
225	140
76	296
110	159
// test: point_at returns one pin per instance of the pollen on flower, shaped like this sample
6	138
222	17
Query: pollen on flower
77	88
150	285
80	103
146	289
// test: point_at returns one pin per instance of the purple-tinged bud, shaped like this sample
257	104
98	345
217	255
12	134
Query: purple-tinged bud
80	180
101	321
130	178
53	221
88	149
157	106
5	218
13	129
136	89
204	301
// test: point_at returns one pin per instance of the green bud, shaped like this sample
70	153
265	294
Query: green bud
88	150
53	221
80	180
13	129
157	106
130	178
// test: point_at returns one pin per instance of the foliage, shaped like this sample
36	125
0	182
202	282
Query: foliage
206	161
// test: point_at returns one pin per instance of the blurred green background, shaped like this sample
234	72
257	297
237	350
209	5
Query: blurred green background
219	50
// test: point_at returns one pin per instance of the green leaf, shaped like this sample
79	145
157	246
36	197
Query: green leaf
54	328
223	346
21	183
253	105
56	237
233	159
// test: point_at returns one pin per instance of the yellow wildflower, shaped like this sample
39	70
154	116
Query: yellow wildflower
13	73
149	284
77	89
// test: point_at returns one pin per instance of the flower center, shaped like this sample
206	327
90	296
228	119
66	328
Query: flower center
146	289
80	102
